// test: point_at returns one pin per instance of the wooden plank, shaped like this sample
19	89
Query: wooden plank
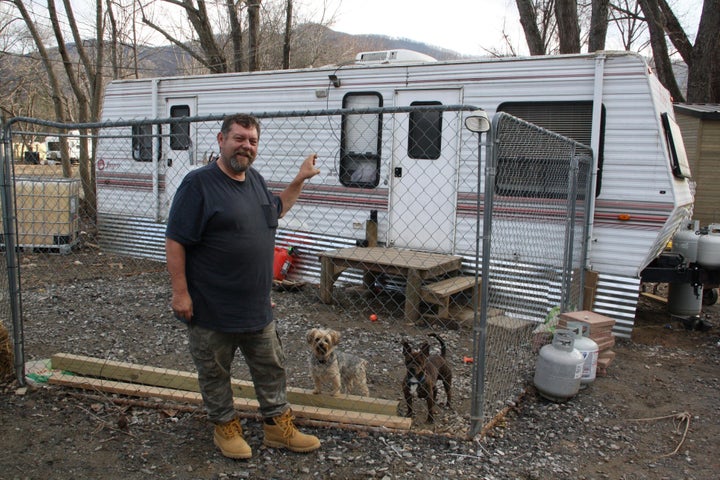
652	296
591	284
179	380
243	404
449	286
596	321
439	292
513	324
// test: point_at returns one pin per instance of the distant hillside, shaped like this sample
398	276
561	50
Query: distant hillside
335	48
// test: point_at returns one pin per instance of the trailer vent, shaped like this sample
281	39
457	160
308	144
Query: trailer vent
393	56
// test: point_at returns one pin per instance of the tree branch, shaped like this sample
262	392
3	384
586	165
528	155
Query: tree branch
175	41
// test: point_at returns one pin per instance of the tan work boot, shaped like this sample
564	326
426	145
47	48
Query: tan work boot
229	439
282	433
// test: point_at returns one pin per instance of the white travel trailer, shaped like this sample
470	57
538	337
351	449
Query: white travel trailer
610	101
52	148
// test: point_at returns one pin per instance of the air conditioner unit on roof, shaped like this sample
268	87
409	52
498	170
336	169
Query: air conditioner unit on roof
393	56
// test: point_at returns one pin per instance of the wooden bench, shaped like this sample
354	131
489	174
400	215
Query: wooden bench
440	292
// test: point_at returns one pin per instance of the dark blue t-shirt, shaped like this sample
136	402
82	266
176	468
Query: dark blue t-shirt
228	230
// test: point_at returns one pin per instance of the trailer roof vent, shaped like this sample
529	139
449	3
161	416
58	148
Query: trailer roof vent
393	56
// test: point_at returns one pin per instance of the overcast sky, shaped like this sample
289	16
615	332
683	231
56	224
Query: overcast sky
466	26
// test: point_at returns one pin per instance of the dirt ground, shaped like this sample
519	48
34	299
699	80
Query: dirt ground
654	415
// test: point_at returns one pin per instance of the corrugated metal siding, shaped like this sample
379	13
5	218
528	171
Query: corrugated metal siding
617	298
135	237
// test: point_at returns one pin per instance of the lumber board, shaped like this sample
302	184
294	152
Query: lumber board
449	286
243	404
187	381
509	323
652	296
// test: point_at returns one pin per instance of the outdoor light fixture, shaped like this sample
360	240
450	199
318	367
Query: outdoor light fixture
335	80
477	121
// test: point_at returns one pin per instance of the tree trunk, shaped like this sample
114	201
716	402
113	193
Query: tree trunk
235	35
288	32
114	41
56	92
253	33
201	23
663	66
528	20
598	25
701	58
568	28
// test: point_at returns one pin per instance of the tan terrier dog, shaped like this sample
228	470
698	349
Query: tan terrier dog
344	371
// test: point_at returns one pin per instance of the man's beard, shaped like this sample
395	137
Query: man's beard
239	167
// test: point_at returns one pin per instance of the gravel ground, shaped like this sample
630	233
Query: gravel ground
654	415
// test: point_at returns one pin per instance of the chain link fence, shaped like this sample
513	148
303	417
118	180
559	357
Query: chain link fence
384	246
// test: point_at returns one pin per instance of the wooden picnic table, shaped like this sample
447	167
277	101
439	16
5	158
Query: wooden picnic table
413	265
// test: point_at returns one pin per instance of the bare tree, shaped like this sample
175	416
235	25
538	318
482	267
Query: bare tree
663	65
86	86
536	40
627	18
568	27
57	93
288	33
212	54
253	33
598	25
235	33
86	83
22	89
702	57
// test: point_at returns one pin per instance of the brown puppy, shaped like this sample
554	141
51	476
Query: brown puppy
423	373
343	371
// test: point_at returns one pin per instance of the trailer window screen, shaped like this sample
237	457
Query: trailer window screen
424	132
569	119
142	143
360	141
676	145
180	131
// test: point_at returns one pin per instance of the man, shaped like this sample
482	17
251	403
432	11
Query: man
219	245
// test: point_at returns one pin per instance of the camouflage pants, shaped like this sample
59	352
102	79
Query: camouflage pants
213	353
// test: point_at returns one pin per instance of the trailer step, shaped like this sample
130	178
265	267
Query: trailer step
440	292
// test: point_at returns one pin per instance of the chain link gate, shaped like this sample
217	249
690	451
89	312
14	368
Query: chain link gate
393	180
537	200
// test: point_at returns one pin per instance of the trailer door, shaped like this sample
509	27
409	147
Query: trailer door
179	154
424	170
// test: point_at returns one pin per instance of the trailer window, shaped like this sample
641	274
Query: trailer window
676	145
360	141
570	119
180	131
424	132
142	143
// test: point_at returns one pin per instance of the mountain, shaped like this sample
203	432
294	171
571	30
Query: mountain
314	45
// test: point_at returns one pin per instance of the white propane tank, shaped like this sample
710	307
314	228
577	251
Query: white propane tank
708	254
588	349
685	241
559	368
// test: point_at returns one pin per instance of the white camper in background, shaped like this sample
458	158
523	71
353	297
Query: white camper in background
610	101
53	155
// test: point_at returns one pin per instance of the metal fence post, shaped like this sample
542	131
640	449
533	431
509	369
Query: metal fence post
10	236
